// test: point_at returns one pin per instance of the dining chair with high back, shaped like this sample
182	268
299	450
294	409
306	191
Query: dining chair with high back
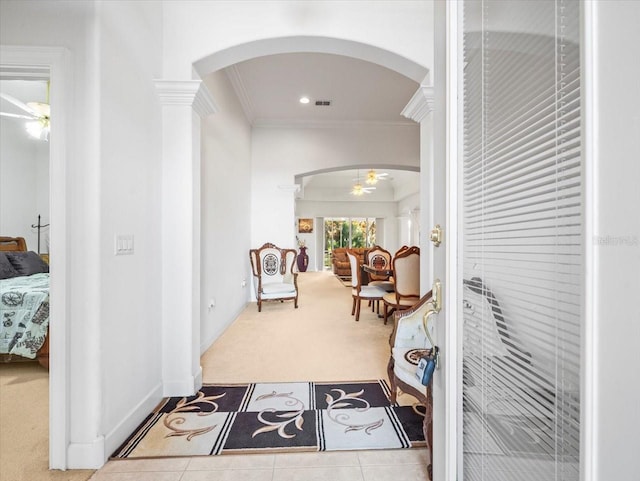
379	258
358	291
406	274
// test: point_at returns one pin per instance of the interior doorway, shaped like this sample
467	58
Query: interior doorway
51	63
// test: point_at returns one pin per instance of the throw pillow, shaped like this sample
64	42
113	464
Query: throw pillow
27	263
7	271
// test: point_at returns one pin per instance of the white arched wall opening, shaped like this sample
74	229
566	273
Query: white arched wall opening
394	226
184	102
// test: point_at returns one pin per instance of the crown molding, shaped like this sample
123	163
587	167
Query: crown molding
420	105
241	91
292	188
191	93
203	103
328	124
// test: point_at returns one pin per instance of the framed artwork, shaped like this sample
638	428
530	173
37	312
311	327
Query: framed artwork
305	226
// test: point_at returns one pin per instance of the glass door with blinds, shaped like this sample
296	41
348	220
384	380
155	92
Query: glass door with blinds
522	240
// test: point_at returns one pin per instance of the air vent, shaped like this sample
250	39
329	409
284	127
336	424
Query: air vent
323	103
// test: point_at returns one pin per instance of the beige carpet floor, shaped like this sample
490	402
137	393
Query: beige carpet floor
319	341
24	426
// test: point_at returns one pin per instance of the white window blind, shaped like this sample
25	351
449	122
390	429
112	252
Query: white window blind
522	240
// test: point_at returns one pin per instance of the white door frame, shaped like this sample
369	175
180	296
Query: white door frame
444	185
56	60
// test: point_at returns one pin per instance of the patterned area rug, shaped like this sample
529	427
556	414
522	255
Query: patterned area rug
305	416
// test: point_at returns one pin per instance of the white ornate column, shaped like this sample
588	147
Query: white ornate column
420	109
183	104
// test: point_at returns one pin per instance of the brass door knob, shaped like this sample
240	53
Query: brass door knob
436	235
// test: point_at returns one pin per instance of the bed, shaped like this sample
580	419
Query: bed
24	303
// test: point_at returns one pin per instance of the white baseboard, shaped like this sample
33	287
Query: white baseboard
183	387
197	379
131	421
89	455
207	343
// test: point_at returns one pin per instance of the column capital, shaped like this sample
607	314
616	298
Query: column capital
186	92
420	105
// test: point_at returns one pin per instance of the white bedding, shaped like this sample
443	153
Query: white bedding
24	313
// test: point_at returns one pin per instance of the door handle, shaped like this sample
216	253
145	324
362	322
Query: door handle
436	235
433	307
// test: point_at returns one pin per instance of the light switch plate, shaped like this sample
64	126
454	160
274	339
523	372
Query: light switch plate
124	244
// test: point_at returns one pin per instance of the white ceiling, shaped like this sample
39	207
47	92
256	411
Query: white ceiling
269	89
23	90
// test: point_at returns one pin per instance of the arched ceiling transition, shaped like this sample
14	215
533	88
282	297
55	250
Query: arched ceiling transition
365	86
362	83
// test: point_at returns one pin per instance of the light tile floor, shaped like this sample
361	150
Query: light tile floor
341	350
388	465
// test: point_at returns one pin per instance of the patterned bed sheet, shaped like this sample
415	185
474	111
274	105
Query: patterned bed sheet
24	312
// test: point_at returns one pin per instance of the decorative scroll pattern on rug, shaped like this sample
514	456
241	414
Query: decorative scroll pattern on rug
267	417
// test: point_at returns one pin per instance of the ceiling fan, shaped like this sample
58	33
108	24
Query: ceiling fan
358	189
373	177
38	115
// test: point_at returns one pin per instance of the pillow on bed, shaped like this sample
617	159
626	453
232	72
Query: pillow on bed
27	263
7	271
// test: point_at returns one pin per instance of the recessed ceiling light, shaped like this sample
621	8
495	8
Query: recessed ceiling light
304	100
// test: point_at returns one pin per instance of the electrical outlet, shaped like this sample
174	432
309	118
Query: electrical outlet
212	303
243	283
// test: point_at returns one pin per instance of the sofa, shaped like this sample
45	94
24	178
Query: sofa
340	261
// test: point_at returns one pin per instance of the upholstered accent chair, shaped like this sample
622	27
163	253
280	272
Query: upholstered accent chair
275	276
358	291
409	342
380	259
406	275
340	261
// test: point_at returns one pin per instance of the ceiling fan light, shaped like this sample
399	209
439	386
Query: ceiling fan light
38	129
372	178
357	189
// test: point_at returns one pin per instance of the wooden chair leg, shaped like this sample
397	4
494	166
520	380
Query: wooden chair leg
358	309
353	307
392	378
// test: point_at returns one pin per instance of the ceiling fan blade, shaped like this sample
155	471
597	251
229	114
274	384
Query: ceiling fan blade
17	116
42	109
19	104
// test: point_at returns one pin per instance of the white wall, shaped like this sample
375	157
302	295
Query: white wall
130	196
225	226
24	184
616	242
195	29
279	154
